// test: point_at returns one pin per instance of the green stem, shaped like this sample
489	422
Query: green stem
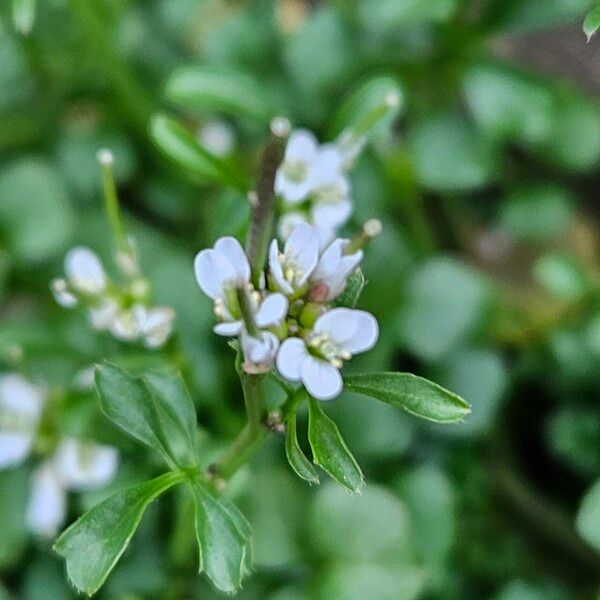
253	432
111	201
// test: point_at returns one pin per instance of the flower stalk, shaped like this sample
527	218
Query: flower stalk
111	200
262	205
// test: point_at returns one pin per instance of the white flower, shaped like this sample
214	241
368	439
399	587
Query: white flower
83	466
103	315
21	406
294	180
221	270
61	293
328	216
259	352
217	137
332	271
156	325
46	508
337	336
85	271
291	270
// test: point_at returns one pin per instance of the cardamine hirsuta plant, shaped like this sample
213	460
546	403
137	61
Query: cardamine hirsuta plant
287	303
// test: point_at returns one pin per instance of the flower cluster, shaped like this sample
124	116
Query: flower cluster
291	321
122	310
313	184
72	465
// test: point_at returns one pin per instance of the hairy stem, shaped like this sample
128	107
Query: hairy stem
263	209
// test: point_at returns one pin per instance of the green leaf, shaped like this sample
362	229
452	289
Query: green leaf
14	484
35	212
223	540
177	144
591	23
536	213
206	89
23	12
446	302
172	397
357	582
126	401
354	287
298	461
450	155
373	526
414	394
588	517
368	110
95	542
562	276
329	449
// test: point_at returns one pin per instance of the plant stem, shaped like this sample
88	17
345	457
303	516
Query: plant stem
261	225
253	432
111	200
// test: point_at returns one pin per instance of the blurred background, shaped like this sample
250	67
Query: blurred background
486	279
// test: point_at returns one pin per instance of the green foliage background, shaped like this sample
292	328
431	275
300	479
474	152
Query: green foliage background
485	279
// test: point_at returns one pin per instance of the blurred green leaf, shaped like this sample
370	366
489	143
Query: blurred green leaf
418	396
561	276
329	449
391	15
203	89
368	108
35	211
14	484
126	401
380	530
480	375
429	496
588	517
573	434
446	301
45	579
23	12
298	461
509	104
222	543
591	23
354	287
523	590
451	156
536	213
357	582
177	144
94	543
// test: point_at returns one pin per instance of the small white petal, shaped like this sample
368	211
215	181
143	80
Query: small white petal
46	508
84	466
261	351
61	293
19	396
85	271
272	310
101	317
212	269
331	215
322	380
288	222
276	271
301	147
157	326
302	247
232	250
228	329
355	330
126	325
334	267
14	447
329	163
290	358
